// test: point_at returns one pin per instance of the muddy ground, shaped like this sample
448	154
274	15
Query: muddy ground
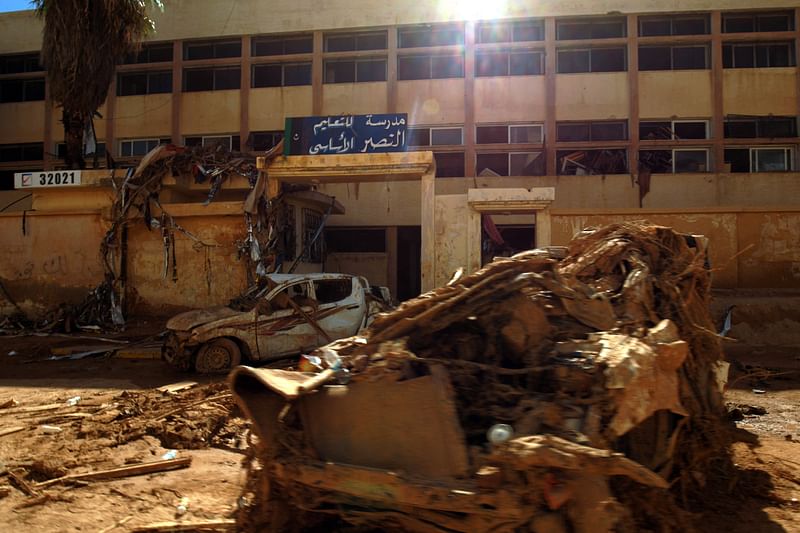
122	419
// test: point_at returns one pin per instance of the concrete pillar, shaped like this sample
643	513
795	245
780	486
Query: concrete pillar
428	244
544	232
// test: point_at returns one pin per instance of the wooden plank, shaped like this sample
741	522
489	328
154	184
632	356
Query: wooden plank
9	431
225	524
176	387
22	484
124	471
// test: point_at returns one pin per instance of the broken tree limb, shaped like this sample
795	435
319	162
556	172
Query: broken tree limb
23	485
9	431
225	524
198	402
125	471
116	524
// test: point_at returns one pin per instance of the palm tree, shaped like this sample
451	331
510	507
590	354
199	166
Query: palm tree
83	42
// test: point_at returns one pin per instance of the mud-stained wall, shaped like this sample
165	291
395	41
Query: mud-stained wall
210	112
373	266
143	116
510	99
354	98
21	122
594	96
268	106
55	260
675	93
376	204
432	101
759	91
451	236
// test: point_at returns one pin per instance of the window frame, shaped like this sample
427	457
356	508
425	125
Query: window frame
355	61
149	140
755	46
672	48
147	74
509	127
513	28
148	48
788	153
592	23
672	123
214	71
692	149
26	84
589	125
508	54
327	36
755	16
672	19
509	156
430	57
214	43
432	29
283	39
590	51
282	66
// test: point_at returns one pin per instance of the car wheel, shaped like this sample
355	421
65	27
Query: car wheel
217	356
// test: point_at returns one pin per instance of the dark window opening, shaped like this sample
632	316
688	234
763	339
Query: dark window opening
753	22
761	127
420	67
673	57
138	83
351	42
655	130
151	53
229	142
312	220
10	153
449	164
510	164
328	291
690	130
447	136
491	134
493	163
508	63
212	50
690	161
738	159
136	147
211	79
419	137
278	75
29	90
592	131
430	35
262	141
758	55
19	63
674	25
278	46
355	71
341	240
504	32
594	60
656	161
600	28
583	162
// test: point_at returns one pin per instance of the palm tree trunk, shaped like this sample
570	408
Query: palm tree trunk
74	125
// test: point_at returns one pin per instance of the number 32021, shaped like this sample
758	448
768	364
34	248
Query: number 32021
57	178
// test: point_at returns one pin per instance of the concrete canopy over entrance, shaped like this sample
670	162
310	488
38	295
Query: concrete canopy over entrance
365	168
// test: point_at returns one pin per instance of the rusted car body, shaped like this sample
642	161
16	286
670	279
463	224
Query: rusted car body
292	314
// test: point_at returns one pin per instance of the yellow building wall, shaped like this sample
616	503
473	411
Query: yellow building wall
373	266
592	96
376	204
354	98
269	106
431	101
771	255
209	112
22	122
675	93
760	91
143	116
510	99
451	238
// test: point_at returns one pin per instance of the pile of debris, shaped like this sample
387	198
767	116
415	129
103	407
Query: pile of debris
585	392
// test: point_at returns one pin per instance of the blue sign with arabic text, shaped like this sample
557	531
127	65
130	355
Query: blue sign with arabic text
345	134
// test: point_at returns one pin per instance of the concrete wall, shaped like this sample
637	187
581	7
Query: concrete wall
143	116
432	101
353	98
675	93
373	266
510	99
760	91
210	112
598	95
21	122
269	105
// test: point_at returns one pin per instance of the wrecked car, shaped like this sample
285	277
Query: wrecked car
287	315
538	394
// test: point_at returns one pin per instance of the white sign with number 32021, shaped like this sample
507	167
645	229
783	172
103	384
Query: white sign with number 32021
49	178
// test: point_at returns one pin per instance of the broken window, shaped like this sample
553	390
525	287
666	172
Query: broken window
760	159
355	240
282	45
312	220
590	28
19	63
753	22
281	75
673	57
211	79
505	32
328	291
430	35
513	134
423	67
10	153
151	53
611	130
139	147
229	142
673	129
419	137
510	164
599	161
99	150
690	160
508	63
355	70
652	26
265	140
137	83
751	55
438	136
591	60
760	127
449	164
28	90
212	49
352	42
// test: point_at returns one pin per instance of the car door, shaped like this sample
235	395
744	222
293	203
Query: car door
341	306
282	330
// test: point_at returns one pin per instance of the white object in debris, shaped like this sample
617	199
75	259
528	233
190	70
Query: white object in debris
499	433
50	430
12	353
182	506
73	401
721	370
171	454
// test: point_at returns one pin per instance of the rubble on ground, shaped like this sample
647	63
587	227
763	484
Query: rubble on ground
595	377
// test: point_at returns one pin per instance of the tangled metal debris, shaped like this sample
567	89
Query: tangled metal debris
537	394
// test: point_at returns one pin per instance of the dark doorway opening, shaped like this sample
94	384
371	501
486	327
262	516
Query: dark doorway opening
504	240
409	262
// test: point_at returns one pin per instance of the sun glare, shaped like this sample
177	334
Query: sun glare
474	9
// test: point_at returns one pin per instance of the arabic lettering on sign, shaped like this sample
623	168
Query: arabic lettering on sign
346	134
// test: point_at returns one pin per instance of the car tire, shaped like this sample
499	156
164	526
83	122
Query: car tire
217	356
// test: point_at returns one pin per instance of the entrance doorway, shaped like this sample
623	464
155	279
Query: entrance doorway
506	235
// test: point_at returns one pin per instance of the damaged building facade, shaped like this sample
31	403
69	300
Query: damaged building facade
543	117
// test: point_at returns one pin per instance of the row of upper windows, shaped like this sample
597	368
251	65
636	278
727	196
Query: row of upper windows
418	67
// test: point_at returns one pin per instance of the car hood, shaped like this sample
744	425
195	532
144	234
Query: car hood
198	317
